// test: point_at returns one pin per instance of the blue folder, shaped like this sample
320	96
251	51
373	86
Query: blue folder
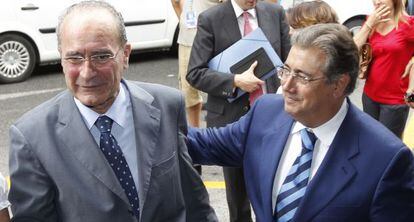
239	50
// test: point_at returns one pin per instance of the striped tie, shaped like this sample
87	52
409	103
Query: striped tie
294	186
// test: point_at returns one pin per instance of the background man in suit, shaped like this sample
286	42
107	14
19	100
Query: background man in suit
218	28
312	155
188	11
107	149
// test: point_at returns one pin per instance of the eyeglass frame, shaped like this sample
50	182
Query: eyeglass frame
93	59
300	77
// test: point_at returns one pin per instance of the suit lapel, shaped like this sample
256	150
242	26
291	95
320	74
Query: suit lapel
76	137
264	20
274	143
147	124
231	26
335	172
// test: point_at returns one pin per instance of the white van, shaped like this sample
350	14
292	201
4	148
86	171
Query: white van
351	13
28	31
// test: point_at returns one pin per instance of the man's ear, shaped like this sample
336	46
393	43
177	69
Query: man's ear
340	85
127	53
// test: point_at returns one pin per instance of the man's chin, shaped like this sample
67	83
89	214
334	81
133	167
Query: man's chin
88	100
291	108
89	103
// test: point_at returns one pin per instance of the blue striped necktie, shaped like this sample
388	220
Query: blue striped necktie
294	186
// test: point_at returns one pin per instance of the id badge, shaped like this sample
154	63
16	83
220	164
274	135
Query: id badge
190	20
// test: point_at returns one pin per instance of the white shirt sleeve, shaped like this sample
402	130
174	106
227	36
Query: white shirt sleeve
4	203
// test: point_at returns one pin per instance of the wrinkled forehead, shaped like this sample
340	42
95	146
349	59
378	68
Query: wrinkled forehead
87	18
311	59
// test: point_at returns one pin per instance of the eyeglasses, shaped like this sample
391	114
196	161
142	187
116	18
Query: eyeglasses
302	78
96	60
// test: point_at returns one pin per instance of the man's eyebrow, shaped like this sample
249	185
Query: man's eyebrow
73	53
101	51
297	71
93	52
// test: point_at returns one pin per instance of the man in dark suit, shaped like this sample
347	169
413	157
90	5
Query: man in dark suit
311	155
106	149
219	28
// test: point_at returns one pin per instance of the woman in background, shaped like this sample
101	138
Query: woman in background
390	32
310	13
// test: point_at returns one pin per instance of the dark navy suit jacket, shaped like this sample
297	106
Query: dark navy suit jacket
367	174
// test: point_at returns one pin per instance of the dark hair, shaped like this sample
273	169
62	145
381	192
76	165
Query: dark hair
92	4
336	42
311	13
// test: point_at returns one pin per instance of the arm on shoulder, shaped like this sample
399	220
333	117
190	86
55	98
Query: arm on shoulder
224	146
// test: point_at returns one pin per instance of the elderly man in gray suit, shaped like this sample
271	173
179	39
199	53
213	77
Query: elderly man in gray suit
107	149
218	28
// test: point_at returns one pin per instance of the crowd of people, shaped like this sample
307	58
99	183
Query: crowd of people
293	146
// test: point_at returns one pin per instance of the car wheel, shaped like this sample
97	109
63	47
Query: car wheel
354	25
17	58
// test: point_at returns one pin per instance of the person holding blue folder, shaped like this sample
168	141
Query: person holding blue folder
218	28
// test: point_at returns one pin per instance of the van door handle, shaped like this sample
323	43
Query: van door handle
29	7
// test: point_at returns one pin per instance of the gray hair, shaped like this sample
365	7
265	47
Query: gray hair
336	42
93	4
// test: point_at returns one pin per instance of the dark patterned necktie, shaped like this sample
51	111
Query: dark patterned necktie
116	159
294	186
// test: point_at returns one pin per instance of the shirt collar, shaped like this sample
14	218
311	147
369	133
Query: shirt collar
327	131
239	11
116	112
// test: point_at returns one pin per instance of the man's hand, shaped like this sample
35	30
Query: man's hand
247	81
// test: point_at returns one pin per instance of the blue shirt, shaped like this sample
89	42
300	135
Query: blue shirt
122	129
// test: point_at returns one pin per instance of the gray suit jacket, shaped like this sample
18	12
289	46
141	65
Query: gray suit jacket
58	172
217	30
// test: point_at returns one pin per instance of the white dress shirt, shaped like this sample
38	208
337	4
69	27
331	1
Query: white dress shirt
239	14
293	147
122	129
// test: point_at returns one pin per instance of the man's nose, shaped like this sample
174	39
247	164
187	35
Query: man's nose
289	83
87	69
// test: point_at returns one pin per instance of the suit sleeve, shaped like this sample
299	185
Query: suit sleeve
394	196
31	193
199	75
224	146
195	194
